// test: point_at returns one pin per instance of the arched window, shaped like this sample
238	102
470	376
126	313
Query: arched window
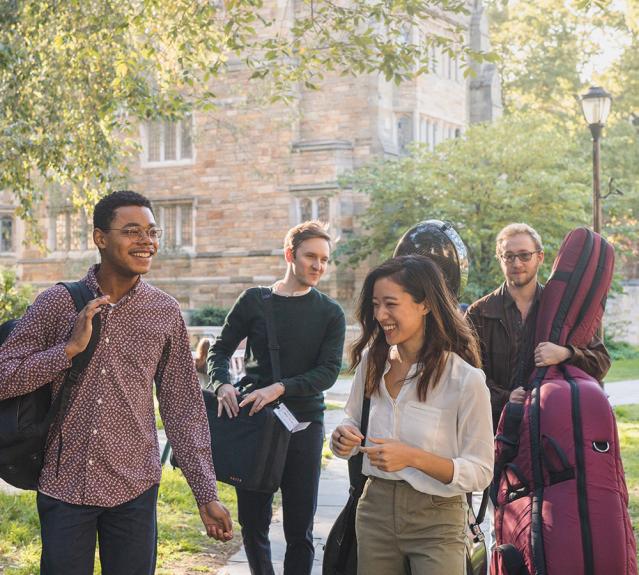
6	233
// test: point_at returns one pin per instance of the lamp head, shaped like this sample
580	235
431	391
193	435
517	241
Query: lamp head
596	104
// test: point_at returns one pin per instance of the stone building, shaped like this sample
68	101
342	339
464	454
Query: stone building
228	184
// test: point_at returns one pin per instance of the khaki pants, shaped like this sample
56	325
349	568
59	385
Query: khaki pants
403	531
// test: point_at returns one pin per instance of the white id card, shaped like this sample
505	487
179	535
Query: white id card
289	420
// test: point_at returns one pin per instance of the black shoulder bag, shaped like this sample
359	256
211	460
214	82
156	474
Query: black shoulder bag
340	550
25	420
249	452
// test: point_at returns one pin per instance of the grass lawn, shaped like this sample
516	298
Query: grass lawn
628	422
183	547
333	405
622	370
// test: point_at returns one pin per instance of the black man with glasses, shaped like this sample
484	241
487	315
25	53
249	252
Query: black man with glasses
505	323
102	464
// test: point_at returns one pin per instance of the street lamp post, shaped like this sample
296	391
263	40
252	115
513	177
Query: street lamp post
595	105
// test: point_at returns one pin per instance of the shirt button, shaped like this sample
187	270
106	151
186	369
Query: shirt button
99	402
103	371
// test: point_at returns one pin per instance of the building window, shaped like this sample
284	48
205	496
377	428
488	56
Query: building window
316	208
71	231
176	219
166	141
6	233
404	133
434	59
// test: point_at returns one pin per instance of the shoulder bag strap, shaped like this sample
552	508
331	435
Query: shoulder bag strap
482	507
357	482
273	346
366	407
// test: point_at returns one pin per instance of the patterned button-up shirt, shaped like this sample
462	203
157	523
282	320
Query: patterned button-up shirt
108	446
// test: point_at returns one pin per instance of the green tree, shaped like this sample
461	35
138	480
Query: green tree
622	79
520	168
76	76
620	189
14	300
546	51
543	47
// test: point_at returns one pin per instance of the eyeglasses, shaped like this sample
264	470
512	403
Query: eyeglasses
138	234
523	256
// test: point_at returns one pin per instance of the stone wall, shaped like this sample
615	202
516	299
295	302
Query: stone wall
622	313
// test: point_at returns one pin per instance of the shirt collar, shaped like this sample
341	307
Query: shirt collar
509	301
92	282
277	286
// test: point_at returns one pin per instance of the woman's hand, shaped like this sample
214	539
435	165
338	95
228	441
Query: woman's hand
345	438
389	454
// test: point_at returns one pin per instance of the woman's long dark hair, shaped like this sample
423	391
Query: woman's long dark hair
445	328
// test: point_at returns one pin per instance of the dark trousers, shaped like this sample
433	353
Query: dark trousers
127	534
300	483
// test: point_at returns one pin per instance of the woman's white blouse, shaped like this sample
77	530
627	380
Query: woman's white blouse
455	422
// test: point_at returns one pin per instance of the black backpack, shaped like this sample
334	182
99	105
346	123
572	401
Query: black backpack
25	420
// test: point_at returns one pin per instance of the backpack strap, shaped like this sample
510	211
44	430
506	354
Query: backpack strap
512	559
81	295
509	440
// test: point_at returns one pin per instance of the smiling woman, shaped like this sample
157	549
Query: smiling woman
430	428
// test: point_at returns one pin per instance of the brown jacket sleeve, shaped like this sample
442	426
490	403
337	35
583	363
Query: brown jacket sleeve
593	359
498	395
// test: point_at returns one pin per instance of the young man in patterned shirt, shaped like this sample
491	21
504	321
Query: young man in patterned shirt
102	466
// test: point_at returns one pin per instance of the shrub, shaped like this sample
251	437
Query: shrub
15	300
621	349
209	315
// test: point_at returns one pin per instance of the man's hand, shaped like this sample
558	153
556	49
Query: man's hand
389	454
217	520
227	400
83	328
517	395
547	353
345	438
262	397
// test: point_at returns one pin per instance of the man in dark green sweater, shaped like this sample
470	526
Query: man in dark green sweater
310	329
